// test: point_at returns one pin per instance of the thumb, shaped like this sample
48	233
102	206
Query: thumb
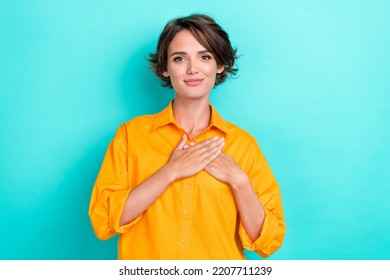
182	143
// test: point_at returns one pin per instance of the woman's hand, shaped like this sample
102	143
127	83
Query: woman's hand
186	161
225	169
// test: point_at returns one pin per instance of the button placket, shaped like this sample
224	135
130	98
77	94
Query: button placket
185	220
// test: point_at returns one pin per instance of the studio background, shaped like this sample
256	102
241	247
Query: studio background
313	89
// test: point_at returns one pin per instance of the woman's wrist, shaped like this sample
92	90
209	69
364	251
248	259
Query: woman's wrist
240	183
168	175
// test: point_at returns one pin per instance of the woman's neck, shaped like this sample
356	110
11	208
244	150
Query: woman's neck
192	115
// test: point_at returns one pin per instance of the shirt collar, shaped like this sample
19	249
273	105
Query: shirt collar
166	117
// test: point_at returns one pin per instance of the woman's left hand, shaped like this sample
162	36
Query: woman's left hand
225	169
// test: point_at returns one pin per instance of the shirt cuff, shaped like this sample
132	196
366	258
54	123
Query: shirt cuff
262	245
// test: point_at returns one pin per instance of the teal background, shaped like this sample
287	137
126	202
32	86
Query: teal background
313	89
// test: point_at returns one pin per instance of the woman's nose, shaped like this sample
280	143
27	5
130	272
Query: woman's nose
192	68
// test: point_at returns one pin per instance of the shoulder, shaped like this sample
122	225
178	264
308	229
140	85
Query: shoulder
239	134
241	140
136	125
139	122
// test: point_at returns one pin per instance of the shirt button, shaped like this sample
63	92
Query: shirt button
188	187
184	240
186	212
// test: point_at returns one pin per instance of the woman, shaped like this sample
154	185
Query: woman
184	183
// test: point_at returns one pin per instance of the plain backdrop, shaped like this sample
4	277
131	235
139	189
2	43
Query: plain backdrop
313	89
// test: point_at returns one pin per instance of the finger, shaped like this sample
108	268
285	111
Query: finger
211	157
210	153
205	145
209	168
182	143
211	147
206	142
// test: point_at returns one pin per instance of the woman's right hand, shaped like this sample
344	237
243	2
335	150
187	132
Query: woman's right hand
186	161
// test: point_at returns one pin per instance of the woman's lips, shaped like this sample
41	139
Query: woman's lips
193	82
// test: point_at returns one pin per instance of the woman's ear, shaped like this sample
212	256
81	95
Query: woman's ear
165	74
220	69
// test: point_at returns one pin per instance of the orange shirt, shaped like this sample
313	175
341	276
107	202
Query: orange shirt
196	217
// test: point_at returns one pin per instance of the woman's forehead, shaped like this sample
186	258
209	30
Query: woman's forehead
184	42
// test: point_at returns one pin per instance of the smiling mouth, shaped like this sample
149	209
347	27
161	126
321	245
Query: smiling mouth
193	82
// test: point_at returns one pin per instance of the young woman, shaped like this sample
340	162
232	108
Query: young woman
184	183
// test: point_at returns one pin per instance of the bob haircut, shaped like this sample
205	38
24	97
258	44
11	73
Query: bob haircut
208	33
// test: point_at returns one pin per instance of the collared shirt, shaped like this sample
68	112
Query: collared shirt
196	217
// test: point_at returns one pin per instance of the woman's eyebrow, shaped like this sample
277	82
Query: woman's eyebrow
178	53
185	53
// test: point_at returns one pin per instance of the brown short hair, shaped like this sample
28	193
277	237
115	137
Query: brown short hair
208	33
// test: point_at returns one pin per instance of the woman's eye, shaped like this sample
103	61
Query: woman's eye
206	57
178	59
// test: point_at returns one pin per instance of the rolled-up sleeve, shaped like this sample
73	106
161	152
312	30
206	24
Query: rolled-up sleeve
268	192
111	190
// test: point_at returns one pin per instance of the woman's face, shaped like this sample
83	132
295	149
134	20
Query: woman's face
191	68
